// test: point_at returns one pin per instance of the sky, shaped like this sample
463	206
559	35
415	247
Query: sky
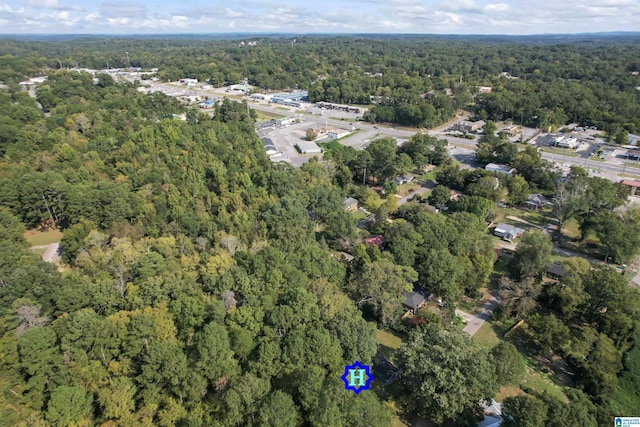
313	16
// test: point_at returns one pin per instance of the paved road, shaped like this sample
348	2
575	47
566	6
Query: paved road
405	199
52	254
475	321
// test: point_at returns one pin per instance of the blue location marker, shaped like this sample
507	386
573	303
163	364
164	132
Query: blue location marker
357	377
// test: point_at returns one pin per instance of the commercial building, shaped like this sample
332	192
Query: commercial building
292	99
338	133
633	186
566	142
308	147
466	126
285	121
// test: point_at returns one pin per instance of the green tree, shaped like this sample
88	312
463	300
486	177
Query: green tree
510	365
68	406
519	298
524	411
278	409
382	286
444	372
532	256
311	134
518	190
440	196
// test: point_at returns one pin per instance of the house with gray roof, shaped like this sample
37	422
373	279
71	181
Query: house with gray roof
508	232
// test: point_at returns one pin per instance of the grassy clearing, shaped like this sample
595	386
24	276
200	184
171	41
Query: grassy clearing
328	146
406	189
359	215
388	339
571	229
39	238
629	175
508	391
560	151
541	383
39	251
597	158
487	336
266	115
633	165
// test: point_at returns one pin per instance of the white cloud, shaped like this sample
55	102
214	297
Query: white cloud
229	13
395	16
496	7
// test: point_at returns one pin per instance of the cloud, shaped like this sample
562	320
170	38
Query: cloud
496	7
229	13
393	16
131	10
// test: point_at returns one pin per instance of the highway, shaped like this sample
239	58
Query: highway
367	132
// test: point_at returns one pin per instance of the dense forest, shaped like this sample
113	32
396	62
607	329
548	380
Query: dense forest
413	81
202	285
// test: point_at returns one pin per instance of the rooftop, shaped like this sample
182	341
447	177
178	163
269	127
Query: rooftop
631	183
413	300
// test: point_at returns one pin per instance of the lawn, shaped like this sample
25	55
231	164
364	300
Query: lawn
508	391
406	189
571	229
597	158
539	217
266	115
359	215
328	146
633	165
40	251
560	151
388	339
39	238
541	383
487	336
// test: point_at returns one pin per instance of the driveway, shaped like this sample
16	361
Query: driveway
52	254
475	321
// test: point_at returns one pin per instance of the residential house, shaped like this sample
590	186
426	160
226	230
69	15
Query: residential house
413	301
376	240
508	232
492	414
497	168
404	179
556	271
535	201
350	204
454	195
633	186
